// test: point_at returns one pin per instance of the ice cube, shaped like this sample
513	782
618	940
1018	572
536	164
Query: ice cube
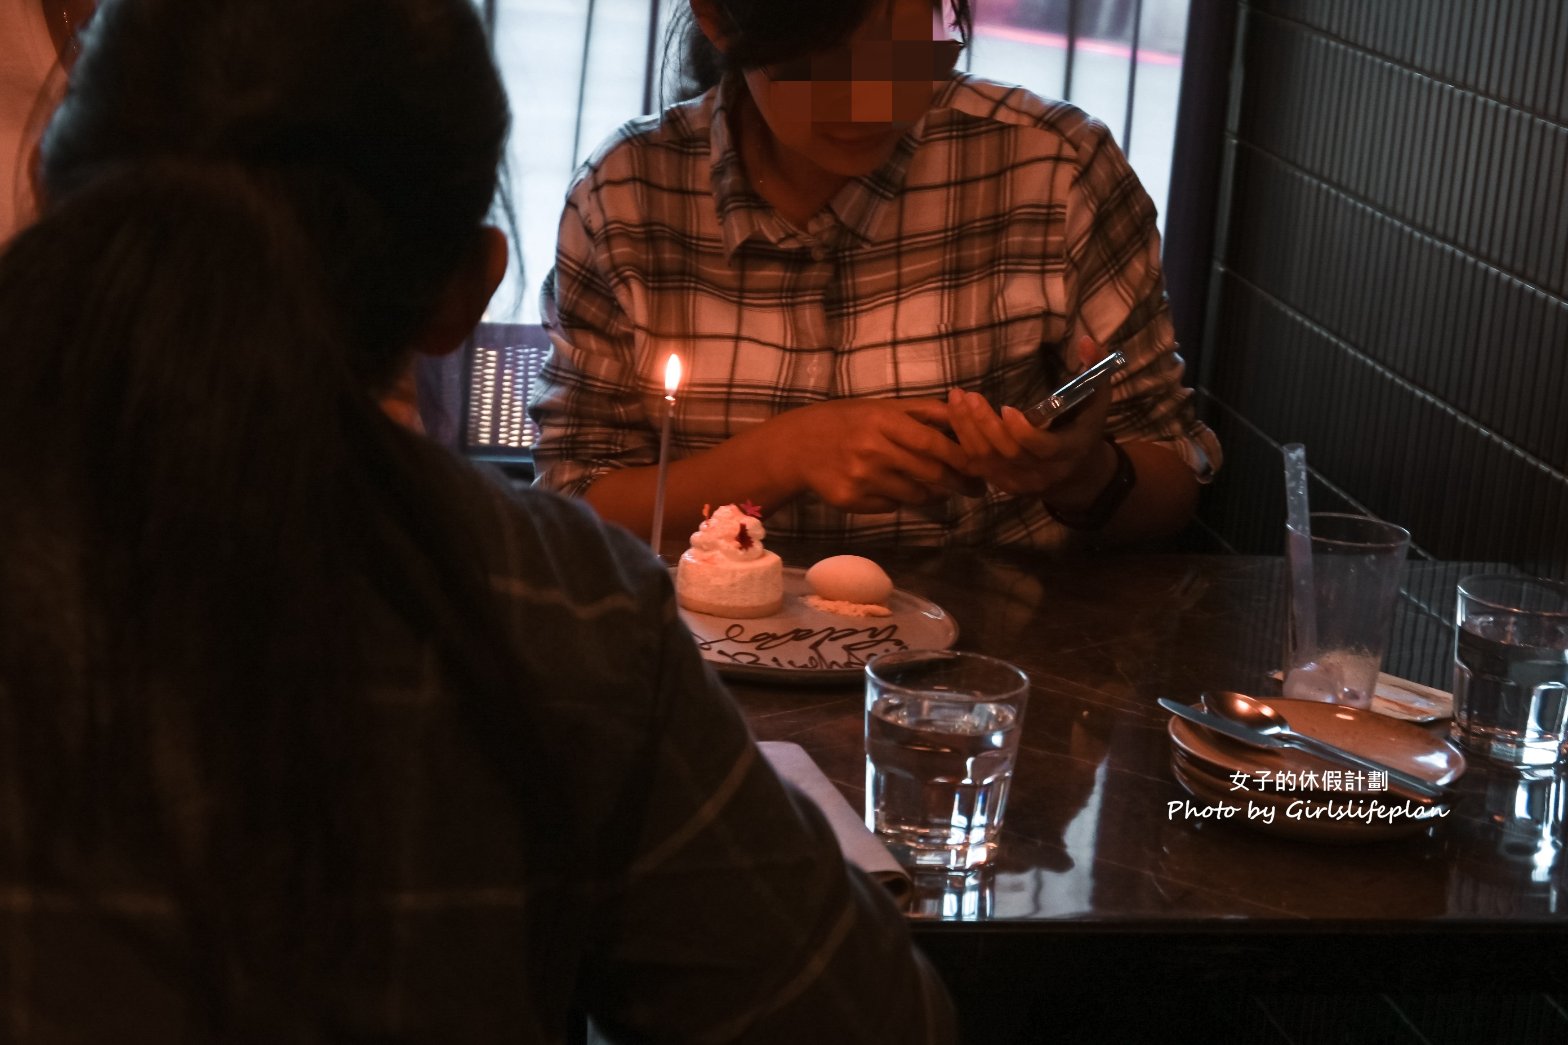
1314	681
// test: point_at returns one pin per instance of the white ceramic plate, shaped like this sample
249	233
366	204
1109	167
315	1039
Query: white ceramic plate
801	644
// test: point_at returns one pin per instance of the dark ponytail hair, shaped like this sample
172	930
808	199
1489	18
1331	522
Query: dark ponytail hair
205	511
174	434
767	32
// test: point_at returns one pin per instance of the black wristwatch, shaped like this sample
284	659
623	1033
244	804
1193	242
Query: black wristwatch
1104	506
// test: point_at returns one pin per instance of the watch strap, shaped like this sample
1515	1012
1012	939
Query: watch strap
1105	504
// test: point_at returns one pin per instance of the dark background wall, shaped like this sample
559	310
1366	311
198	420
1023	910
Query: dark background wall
1388	276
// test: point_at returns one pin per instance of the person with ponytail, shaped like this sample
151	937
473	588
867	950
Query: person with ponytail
871	264
308	731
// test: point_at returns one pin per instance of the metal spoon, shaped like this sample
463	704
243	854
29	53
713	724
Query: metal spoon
1266	719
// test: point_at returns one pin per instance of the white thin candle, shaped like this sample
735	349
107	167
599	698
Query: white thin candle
672	381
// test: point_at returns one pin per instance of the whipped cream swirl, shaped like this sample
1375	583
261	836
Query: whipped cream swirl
728	534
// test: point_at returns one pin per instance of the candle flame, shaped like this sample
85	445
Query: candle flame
672	375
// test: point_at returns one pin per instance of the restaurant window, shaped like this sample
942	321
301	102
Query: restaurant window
578	69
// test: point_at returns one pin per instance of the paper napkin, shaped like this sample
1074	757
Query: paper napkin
1401	698
858	843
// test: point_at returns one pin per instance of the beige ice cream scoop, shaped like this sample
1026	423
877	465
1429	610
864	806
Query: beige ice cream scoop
849	578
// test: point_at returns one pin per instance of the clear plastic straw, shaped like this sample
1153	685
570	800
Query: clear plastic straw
1298	550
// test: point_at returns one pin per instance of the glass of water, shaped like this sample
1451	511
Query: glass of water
942	731
1511	669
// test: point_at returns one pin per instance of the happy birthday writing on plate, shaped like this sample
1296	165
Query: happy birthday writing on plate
825	648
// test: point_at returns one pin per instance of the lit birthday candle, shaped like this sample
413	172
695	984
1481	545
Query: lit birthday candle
672	381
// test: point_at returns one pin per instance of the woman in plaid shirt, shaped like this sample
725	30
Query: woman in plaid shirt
867	263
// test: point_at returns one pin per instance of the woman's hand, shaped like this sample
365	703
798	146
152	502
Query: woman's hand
868	455
1066	465
857	455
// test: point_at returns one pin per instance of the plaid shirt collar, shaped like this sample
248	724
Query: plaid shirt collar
855	212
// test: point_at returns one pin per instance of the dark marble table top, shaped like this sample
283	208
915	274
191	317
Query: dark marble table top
1090	846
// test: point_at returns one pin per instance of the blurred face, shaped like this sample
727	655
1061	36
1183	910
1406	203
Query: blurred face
845	109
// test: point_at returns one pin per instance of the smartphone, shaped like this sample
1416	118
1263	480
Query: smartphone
1063	403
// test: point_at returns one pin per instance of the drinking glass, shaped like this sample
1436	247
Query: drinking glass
1509	856
1511	669
1351	578
954	896
942	731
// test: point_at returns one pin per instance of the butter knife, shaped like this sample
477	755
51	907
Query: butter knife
1406	782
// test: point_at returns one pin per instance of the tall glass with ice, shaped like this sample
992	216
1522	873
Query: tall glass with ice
942	731
1352	575
1511	669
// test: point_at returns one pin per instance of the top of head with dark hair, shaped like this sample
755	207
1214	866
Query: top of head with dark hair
383	121
766	32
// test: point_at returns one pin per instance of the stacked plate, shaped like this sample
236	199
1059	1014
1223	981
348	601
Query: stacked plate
1294	794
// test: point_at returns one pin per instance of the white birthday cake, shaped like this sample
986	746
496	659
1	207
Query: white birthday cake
726	572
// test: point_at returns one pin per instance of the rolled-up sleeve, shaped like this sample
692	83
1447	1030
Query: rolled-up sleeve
1113	262
590	414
